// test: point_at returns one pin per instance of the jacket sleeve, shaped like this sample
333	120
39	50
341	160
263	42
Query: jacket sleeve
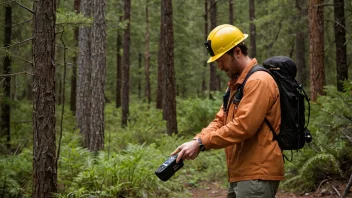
257	100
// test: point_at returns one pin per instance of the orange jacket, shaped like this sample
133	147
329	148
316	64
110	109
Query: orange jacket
250	150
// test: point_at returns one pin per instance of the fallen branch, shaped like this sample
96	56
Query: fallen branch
338	193
321	183
348	186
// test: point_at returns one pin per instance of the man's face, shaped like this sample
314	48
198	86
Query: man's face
227	63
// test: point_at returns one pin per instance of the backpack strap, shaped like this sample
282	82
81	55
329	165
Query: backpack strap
239	93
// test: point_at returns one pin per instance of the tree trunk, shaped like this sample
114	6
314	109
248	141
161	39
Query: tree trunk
6	85
204	86
213	79
253	52
139	75
300	45
44	144
74	81
340	40
147	55
218	80
126	64
74	65
96	138
84	70
316	48
170	93
161	82
118	67
231	19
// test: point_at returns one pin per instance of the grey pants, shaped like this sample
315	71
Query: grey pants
253	189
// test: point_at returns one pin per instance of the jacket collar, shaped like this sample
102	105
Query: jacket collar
233	83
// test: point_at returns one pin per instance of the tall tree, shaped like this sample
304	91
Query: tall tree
147	55
126	64
213	79
6	85
76	7
231	19
204	86
161	83
84	70
96	138
170	94
118	66
253	51
44	145
316	48
139	75
300	43
340	40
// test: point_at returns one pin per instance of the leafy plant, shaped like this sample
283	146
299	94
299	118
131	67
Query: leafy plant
15	174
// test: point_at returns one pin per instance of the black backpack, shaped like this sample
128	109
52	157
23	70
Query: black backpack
293	130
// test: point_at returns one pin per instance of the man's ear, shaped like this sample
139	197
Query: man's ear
237	52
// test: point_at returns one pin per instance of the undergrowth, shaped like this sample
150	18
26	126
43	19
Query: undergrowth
125	168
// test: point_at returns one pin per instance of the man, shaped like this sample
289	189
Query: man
254	159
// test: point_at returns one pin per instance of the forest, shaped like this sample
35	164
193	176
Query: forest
95	95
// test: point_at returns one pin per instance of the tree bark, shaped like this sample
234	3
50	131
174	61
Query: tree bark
170	93
204	86
213	79
96	139
253	51
118	67
147	55
316	48
6	85
139	75
161	82
74	65
44	144
84	70
340	40
300	45
231	19
126	64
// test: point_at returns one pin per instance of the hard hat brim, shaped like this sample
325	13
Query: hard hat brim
214	58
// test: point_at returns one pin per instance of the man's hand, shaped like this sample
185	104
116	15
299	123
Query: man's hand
187	151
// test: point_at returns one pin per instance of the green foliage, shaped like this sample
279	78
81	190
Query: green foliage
313	171
15	175
126	166
65	17
21	126
129	173
195	114
330	153
144	125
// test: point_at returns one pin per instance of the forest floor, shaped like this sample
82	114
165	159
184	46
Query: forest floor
326	190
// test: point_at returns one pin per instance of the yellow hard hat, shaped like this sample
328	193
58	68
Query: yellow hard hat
221	39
